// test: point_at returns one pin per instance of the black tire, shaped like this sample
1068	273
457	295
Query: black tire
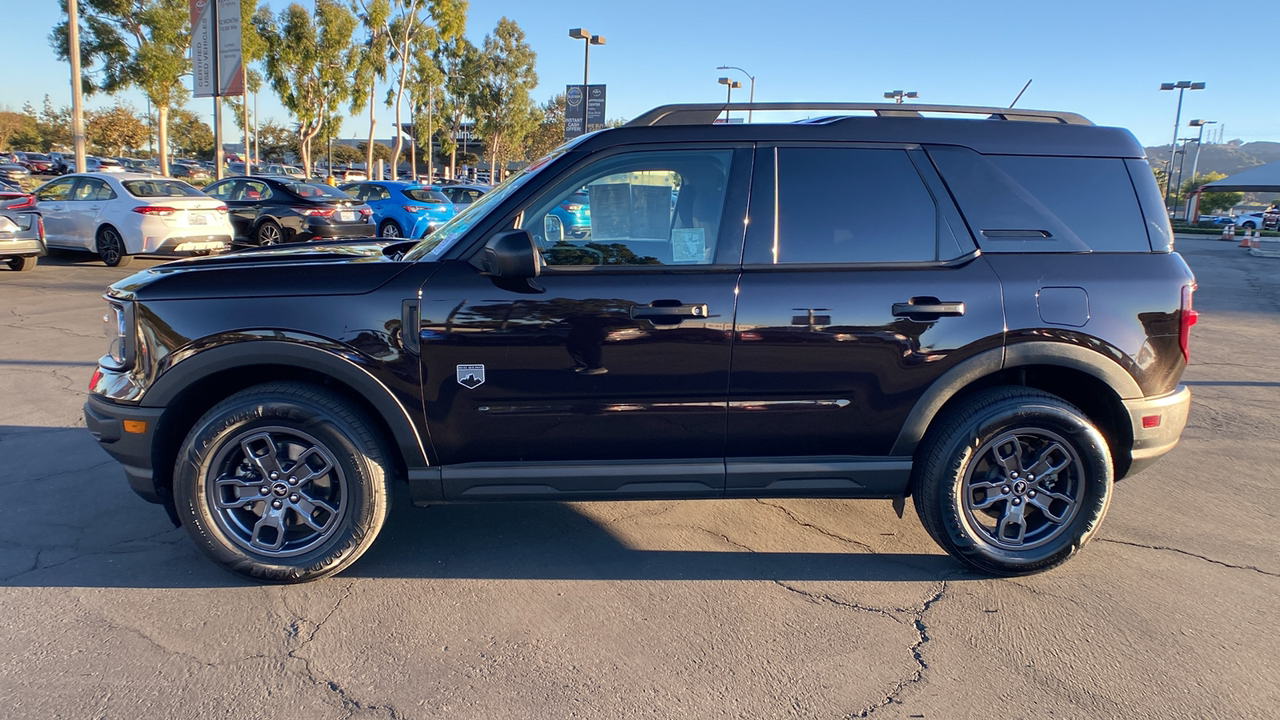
269	233
27	262
1249	225
390	229
111	248
969	496
283	528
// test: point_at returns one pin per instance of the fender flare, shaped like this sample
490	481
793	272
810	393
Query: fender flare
992	361
326	361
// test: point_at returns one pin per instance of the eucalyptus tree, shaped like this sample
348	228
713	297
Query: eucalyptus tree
133	43
459	60
309	64
371	66
505	113
410	25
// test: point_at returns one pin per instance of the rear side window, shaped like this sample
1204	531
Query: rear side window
1024	203
850	205
160	188
425	195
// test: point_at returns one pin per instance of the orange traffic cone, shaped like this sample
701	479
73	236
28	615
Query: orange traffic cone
1253	242
1228	232
1244	239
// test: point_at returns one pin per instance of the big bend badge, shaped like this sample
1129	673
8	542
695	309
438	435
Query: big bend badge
471	376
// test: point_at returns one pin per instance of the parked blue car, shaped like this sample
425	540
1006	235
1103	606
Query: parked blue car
402	209
575	213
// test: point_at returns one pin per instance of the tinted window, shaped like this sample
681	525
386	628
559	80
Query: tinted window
160	188
655	208
1092	196
425	195
850	205
56	190
93	189
316	190
221	190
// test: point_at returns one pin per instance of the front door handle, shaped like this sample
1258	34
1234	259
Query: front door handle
673	312
930	307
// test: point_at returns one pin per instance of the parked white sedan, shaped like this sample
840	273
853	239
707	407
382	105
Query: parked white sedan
119	215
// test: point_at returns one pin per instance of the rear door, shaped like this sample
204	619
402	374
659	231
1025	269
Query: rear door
84	208
860	287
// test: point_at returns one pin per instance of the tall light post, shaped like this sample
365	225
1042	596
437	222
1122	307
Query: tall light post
1196	163
1180	86
899	95
1177	186
584	34
752	97
729	84
77	103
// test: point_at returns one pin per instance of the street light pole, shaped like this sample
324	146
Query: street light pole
77	103
584	34
729	84
1196	162
1177	187
752	78
1180	86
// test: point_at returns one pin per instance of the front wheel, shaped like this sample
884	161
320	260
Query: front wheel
283	482
1249	225
1013	482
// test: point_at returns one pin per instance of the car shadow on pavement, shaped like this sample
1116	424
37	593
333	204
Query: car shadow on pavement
68	519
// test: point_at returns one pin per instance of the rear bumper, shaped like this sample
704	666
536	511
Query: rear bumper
105	421
21	247
332	232
1149	443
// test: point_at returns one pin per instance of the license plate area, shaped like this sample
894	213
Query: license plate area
347	215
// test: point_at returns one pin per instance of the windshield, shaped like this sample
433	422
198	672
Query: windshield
316	190
438	242
160	188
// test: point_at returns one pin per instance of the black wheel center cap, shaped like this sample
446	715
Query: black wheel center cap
1020	487
280	489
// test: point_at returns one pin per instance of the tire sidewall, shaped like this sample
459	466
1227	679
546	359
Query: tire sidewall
1095	494
365	507
279	233
390	223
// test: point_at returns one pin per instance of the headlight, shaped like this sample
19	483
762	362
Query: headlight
116	325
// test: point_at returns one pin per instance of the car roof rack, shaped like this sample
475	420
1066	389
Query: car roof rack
707	113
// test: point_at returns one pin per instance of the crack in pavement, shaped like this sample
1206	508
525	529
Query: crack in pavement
810	525
60	472
349	704
916	653
1191	554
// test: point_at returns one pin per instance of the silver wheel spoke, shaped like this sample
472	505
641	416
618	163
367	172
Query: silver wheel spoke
272	519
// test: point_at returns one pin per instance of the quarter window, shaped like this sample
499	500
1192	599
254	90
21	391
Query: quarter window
850	205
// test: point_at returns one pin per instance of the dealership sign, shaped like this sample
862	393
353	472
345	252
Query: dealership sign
583	109
217	66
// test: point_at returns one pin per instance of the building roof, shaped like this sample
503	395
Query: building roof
1264	178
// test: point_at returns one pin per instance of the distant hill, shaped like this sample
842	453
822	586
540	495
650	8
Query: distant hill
1228	158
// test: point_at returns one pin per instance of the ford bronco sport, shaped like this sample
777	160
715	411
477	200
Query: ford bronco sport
983	313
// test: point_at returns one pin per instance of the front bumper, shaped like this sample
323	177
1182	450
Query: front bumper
1149	443
106	423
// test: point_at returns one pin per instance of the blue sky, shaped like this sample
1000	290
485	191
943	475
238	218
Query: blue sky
1104	60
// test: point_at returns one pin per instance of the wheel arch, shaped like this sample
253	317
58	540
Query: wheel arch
209	376
1095	384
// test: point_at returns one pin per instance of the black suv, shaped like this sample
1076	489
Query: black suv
984	314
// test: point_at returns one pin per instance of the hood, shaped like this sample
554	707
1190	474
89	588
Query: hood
339	268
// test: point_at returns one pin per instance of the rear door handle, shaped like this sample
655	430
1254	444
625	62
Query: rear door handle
928	306
669	313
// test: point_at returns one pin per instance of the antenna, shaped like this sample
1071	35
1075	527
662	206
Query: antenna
1024	89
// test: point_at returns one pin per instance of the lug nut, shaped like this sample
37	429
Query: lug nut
1004	490
293	481
277	504
293	497
1017	501
1031	477
1031	494
264	490
1013	474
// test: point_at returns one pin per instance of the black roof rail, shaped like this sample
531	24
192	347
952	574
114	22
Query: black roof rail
706	113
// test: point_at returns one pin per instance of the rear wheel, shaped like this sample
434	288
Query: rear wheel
1013	482
269	233
23	263
111	247
390	229
283	482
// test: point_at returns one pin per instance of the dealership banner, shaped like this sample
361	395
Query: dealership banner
575	112
216	66
595	108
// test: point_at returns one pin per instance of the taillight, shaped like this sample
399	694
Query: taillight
366	211
27	201
222	209
160	210
413	208
1188	317
571	207
40	224
315	212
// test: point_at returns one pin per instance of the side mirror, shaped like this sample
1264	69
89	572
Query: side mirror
511	254
553	229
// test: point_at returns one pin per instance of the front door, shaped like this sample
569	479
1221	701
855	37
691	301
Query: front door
52	200
611	378
855	296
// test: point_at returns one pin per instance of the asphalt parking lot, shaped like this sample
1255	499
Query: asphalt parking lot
700	609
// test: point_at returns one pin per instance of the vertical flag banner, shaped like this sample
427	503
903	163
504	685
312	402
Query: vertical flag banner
202	49
595	108
575	111
230	67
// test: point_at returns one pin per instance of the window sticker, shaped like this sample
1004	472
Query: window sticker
689	245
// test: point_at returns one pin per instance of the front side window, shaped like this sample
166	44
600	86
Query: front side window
850	205
56	191
644	208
